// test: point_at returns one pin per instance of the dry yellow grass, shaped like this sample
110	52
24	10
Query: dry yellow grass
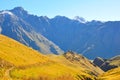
59	69
2	71
83	63
52	71
18	54
27	64
113	74
115	60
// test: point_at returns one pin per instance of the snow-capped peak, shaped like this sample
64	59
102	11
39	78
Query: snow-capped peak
7	12
80	19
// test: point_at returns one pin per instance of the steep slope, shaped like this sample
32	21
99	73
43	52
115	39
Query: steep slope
18	29
92	39
18	62
14	54
18	54
95	37
113	74
115	60
107	64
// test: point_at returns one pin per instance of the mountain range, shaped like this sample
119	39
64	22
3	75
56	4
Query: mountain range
60	34
17	28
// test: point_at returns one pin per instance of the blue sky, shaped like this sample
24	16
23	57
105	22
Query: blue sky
89	9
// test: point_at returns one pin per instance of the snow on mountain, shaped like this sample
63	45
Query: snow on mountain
92	39
6	12
80	19
16	27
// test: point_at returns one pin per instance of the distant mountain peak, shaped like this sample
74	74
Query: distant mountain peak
19	11
44	17
59	17
80	19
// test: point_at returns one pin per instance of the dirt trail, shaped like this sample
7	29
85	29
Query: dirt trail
7	74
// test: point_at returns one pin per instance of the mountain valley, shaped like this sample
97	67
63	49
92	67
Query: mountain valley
40	48
60	34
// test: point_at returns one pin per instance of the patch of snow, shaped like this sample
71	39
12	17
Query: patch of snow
7	12
80	19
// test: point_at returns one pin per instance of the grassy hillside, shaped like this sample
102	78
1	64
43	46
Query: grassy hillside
76	61
18	62
115	61
18	54
113	74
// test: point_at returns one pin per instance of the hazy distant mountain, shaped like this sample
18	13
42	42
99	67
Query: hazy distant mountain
80	19
92	39
17	28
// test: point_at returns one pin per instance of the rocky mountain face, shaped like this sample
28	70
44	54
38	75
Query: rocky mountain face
107	64
17	28
92	39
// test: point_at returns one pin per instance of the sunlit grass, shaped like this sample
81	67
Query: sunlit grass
18	54
113	74
50	71
28	64
2	71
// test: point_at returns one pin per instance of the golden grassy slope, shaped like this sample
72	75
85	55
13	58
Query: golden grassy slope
59	69
18	54
115	60
78	61
50	71
113	74
22	63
